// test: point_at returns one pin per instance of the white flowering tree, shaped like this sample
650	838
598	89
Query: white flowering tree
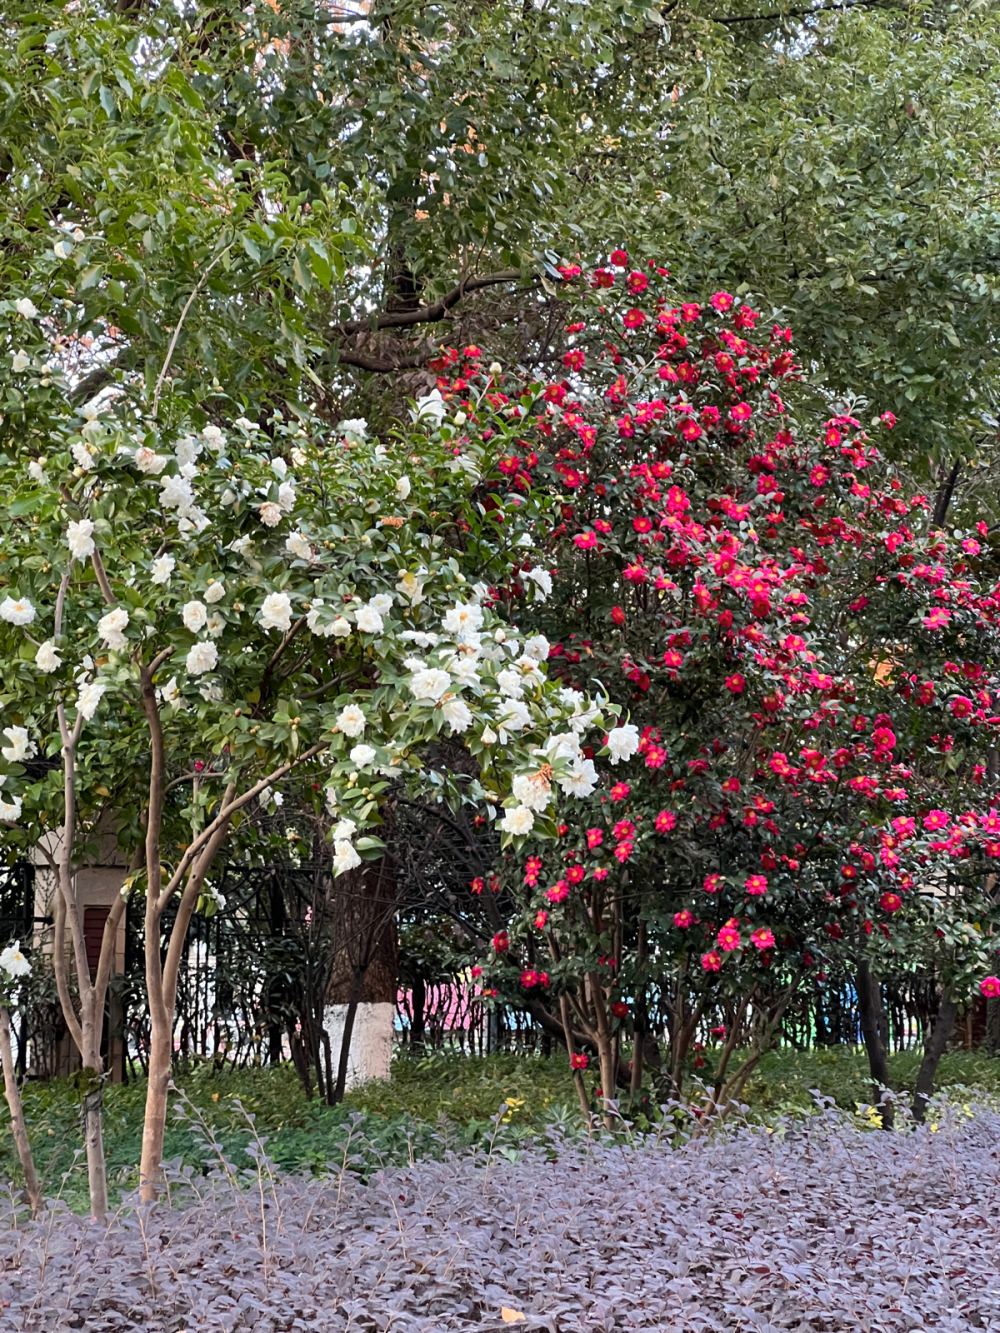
193	614
13	966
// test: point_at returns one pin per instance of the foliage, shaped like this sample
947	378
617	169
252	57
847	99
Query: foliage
731	1230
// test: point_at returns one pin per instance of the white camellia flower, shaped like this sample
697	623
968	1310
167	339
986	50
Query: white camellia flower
213	437
12	960
36	471
26	307
211	692
171	693
421	638
537	648
270	514
286	496
510	683
202	656
345	829
344	856
47	659
353	426
9	810
20	361
532	789
276	612
317	622
351	720
186	451
89	698
162	568
463	618
176	493
194	616
518	821
581	779
429	683
17	612
362	755
432	405
411	586
457	714
21	745
463	671
62	249
215	624
111	626
515	716
623	742
341	627
270	797
542	580
489	736
83	455
382	602
297	546
369	620
403	488
149	461
215	591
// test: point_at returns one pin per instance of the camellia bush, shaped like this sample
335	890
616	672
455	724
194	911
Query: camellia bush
193	613
809	669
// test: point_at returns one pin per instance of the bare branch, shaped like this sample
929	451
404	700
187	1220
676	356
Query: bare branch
428	314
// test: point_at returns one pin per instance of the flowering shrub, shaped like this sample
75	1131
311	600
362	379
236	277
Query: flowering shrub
192	614
743	1230
809	667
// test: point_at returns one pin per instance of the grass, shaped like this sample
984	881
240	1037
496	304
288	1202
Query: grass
431	1104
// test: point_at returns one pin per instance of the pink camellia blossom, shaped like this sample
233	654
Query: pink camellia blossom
712	961
735	683
622	852
721	301
558	893
937	618
936	819
728	938
961	706
578	1061
665	821
712	883
683	919
888	419
601	873
755	885
990	987
623	829
595	837
529	978
762	938
586	541
620	791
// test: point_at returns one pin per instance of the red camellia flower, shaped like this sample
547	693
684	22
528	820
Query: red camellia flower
711	961
682	920
961	706
990	987
690	312
618	615
620	1009
713	883
665	821
721	301
623	829
888	419
762	938
936	819
728	938
634	319
586	541
620	260
500	942
637	283
595	837
477	885
937	618
890	902
735	683
620	791
558	893
578	1061
529	978
755	885
541	917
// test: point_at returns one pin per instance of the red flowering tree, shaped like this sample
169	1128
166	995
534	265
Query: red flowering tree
808	667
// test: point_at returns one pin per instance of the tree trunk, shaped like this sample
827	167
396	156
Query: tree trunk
17	1124
934	1048
874	1029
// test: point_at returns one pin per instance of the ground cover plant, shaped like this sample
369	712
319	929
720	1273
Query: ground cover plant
819	1225
431	1106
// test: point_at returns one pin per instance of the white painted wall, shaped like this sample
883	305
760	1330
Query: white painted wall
371	1040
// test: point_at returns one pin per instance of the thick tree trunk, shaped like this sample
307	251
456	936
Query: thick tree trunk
17	1124
874	1030
934	1048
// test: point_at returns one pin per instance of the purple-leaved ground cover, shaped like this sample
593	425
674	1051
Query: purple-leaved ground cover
819	1226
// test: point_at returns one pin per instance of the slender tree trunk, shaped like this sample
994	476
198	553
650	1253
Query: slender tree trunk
934	1048
874	1030
17	1124
581	1090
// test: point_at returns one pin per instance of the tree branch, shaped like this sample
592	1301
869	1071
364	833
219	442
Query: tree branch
428	314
